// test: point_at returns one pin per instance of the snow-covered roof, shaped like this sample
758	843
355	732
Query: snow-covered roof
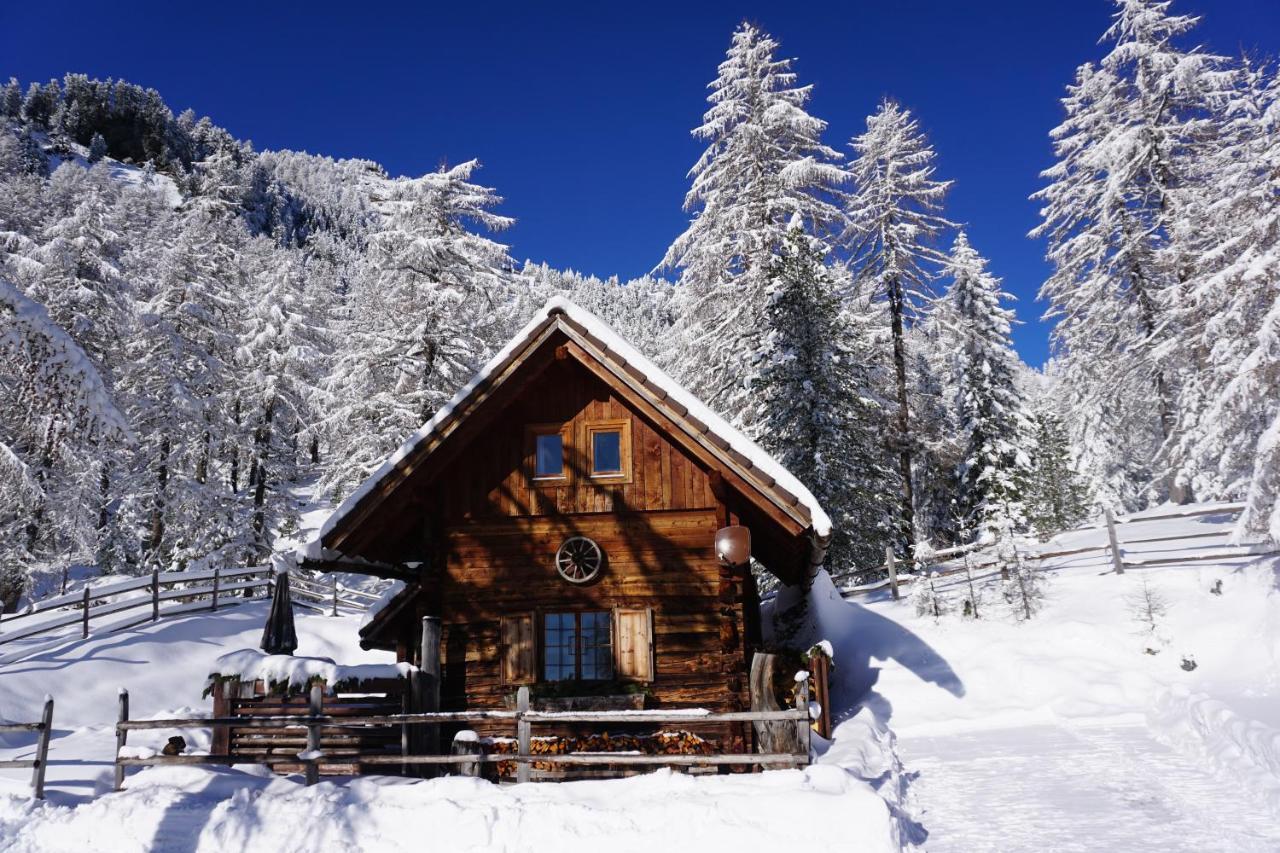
740	452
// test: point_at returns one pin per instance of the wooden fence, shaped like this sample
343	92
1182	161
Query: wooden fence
1114	548
173	594
523	719
41	761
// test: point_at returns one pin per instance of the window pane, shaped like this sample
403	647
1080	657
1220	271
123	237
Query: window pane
558	652
606	452
550	455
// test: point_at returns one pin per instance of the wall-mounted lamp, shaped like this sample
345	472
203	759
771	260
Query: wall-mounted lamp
733	545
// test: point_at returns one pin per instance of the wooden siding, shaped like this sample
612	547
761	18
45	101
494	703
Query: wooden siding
491	477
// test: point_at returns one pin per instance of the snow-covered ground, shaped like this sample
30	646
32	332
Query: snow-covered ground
1062	733
164	666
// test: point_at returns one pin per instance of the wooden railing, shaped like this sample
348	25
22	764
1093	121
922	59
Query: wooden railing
192	591
41	761
173	594
1114	547
523	718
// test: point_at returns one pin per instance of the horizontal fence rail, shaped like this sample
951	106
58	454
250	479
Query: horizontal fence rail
174	594
1120	560
523	718
41	761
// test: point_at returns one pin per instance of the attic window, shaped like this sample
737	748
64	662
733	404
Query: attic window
610	446
545	451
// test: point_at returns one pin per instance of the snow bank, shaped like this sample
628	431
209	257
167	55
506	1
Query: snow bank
297	672
1246	750
821	808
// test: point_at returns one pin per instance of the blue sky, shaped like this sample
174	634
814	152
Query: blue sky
581	116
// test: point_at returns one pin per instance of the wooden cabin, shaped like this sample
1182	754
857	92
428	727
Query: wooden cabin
560	516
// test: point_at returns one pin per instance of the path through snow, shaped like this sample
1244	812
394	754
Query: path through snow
1100	786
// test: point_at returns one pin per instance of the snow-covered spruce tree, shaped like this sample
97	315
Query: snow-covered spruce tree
282	353
424	314
1057	498
893	216
97	148
939	441
992	413
1022	583
55	405
814	407
764	163
178	382
1134	125
1228	403
924	590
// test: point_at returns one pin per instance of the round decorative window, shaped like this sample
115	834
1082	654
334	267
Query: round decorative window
579	559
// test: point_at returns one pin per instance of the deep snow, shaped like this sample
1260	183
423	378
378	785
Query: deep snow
1060	733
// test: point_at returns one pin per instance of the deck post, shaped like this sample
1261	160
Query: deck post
803	727
122	735
313	734
893	570
1117	558
42	749
155	595
84	631
524	740
429	667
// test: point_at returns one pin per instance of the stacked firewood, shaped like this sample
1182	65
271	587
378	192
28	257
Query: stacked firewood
659	743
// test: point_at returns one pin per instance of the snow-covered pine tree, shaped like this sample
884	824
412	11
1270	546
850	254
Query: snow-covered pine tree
56	405
814	406
764	162
1057	498
893	216
179	384
97	148
424	314
1022	583
938	437
992	413
1134	125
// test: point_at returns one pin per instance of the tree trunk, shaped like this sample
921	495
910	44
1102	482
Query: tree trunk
896	309
156	533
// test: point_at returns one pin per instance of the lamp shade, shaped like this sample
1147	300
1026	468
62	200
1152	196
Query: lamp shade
733	545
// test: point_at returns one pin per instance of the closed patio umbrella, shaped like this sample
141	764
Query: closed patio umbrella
279	636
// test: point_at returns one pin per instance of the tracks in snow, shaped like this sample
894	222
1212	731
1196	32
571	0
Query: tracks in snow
1079	788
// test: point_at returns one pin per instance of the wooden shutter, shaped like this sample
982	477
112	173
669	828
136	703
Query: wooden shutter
519	660
633	643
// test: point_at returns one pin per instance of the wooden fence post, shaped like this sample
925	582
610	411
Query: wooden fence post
155	595
334	583
122	735
893	570
313	734
524	740
42	749
1117	559
216	571
803	730
84	632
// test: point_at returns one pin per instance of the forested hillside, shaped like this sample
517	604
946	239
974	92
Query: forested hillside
193	330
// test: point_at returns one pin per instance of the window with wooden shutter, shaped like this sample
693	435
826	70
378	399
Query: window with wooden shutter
518	649
633	643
